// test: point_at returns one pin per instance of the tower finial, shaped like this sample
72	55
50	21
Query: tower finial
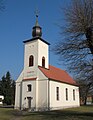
36	13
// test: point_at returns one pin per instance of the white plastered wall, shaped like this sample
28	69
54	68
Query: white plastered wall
38	49
43	51
31	48
18	92
18	95
26	94
42	92
62	102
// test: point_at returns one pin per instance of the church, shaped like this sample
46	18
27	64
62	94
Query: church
41	86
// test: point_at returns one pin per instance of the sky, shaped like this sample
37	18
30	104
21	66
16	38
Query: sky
16	23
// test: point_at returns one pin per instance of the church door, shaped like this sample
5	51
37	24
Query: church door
29	102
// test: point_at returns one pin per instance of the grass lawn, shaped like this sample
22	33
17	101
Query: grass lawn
81	113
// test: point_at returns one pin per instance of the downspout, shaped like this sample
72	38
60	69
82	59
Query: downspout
36	107
21	96
48	94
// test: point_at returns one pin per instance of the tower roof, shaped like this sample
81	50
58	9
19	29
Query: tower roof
36	33
37	30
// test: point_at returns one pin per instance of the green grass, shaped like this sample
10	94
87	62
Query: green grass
81	113
6	114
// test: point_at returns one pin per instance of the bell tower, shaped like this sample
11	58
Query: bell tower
36	52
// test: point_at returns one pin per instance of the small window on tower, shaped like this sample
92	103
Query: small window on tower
43	61
31	61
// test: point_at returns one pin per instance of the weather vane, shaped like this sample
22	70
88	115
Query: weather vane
36	13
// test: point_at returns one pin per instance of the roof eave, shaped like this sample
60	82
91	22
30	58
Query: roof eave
35	38
74	84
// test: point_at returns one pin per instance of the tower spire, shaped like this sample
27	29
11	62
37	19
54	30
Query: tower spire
37	30
37	14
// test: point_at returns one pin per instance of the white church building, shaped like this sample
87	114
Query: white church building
41	86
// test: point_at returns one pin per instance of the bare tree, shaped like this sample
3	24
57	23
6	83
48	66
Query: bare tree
77	45
85	90
79	17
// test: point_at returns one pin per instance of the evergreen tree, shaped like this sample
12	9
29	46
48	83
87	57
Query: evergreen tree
3	87
13	92
8	89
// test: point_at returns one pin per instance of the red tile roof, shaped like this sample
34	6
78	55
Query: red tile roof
57	75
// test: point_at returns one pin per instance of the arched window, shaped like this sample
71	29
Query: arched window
43	61
66	94
31	61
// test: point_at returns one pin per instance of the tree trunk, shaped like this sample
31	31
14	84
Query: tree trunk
85	101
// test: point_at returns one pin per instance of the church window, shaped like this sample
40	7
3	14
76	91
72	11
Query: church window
29	87
43	61
66	94
57	93
73	94
31	61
